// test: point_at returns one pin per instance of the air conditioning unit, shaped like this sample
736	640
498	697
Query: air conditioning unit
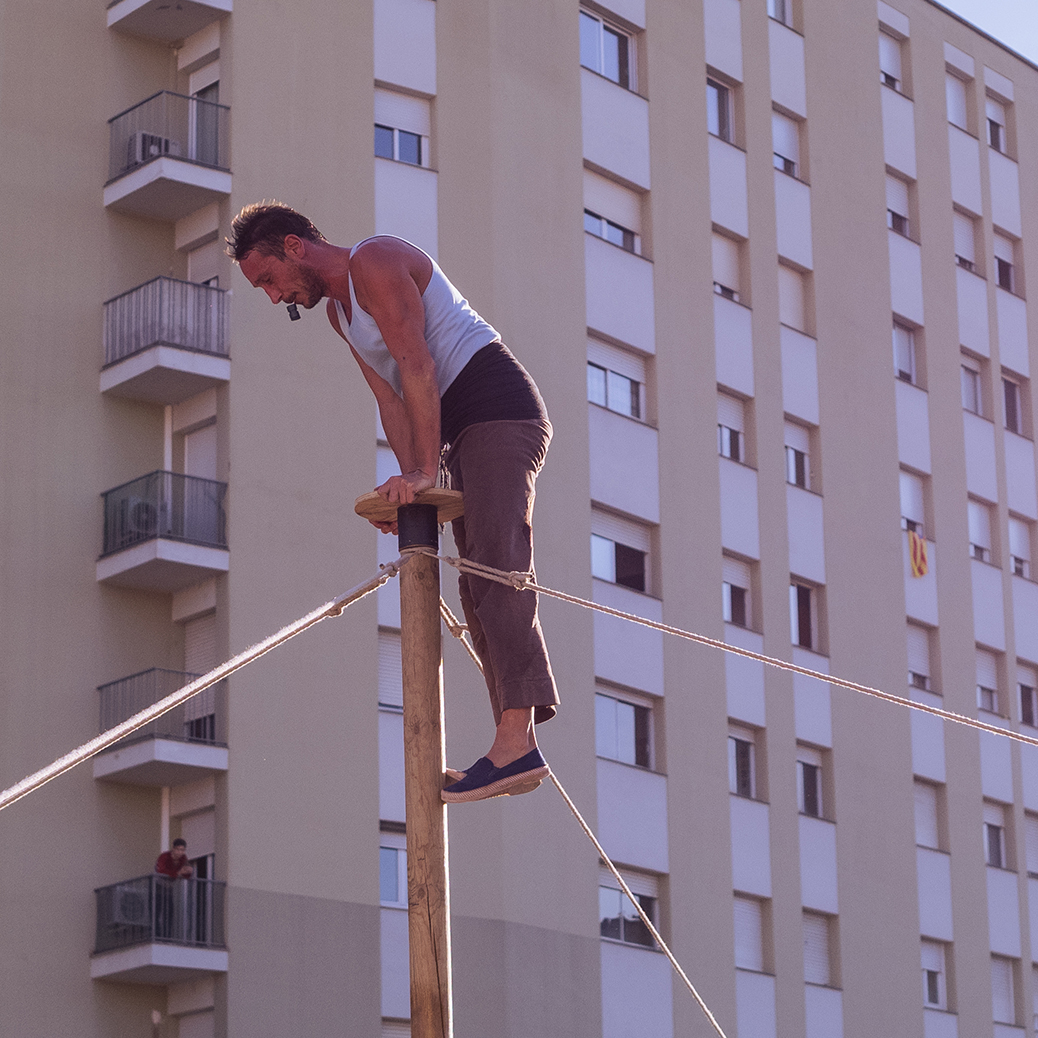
130	906
144	146
142	517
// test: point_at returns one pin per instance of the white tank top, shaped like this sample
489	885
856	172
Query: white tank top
454	331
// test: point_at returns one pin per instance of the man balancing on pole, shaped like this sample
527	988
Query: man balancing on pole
444	382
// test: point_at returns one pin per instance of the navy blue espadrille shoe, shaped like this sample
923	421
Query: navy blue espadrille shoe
483	781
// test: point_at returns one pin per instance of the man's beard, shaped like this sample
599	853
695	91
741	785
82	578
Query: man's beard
313	289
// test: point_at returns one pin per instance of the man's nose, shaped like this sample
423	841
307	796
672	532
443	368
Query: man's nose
273	293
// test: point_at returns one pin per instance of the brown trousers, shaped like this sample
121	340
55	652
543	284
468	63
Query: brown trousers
495	465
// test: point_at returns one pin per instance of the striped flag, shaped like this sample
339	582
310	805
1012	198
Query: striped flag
917	554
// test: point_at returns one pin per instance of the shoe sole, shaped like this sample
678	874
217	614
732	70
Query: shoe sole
525	782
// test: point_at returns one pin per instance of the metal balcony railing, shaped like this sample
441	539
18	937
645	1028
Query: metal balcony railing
176	125
203	718
165	504
166	312
158	909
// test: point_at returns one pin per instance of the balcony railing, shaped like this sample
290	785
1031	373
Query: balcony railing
168	124
167	505
166	312
156	909
202	718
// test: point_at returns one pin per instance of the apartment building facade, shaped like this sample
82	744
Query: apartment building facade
768	262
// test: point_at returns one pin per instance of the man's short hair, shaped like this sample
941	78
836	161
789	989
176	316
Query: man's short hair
178	842
263	226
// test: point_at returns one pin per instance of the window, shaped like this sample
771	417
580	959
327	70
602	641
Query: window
1026	684
727	267
972	399
616	379
781	11
1011	396
918	657
736	592
955	94
935	992
1020	547
913	509
817	954
792	286
979	529
987	681
1005	251
809	781
402	127
785	137
996	116
607	50
618	918
719	120
612	212
619	551
392	870
1003	1000
623	729
749	933
1031	842
965	230
731	424
927	818
995	834
904	353
803	614
742	761
890	61
390	675
798	455
897	205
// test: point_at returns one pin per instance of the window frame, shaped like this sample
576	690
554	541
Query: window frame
720	109
626	78
645	888
642	727
811	793
397	843
935	982
742	761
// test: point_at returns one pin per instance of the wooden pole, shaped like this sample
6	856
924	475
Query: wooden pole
428	888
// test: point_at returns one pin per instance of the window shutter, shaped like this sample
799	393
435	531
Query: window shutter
996	111
620	531
1004	248
618	204
1002	1002
1031	841
613	358
918	650
890	55
390	679
798	438
965	240
994	814
987	669
912	497
731	412
816	949
791	297
735	572
785	137
200	644
979	524
749	934
926	830
726	262
402	112
1019	539
955	92
897	196
933	956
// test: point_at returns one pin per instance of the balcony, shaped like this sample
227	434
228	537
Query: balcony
187	743
163	532
165	341
168	156
163	21
155	930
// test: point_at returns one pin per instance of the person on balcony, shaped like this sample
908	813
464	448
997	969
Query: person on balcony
173	863
447	388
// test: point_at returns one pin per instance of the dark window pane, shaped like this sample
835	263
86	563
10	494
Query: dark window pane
609	913
1005	274
1027	714
630	567
635	931
743	768
641	736
1012	397
738	605
410	145
611	48
804	617
590	31
811	799
383	142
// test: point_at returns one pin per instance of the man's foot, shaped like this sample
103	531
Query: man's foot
483	780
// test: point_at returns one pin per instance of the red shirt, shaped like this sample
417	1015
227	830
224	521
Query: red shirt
167	865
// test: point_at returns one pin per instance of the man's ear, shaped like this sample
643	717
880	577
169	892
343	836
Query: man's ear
294	246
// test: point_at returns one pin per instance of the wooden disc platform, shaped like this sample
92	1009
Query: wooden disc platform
449	505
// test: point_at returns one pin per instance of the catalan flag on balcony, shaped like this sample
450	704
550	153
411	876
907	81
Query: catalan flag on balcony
917	554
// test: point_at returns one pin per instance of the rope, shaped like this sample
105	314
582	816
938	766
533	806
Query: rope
333	608
527	582
458	630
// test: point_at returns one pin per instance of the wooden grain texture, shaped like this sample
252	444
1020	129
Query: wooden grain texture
448	505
